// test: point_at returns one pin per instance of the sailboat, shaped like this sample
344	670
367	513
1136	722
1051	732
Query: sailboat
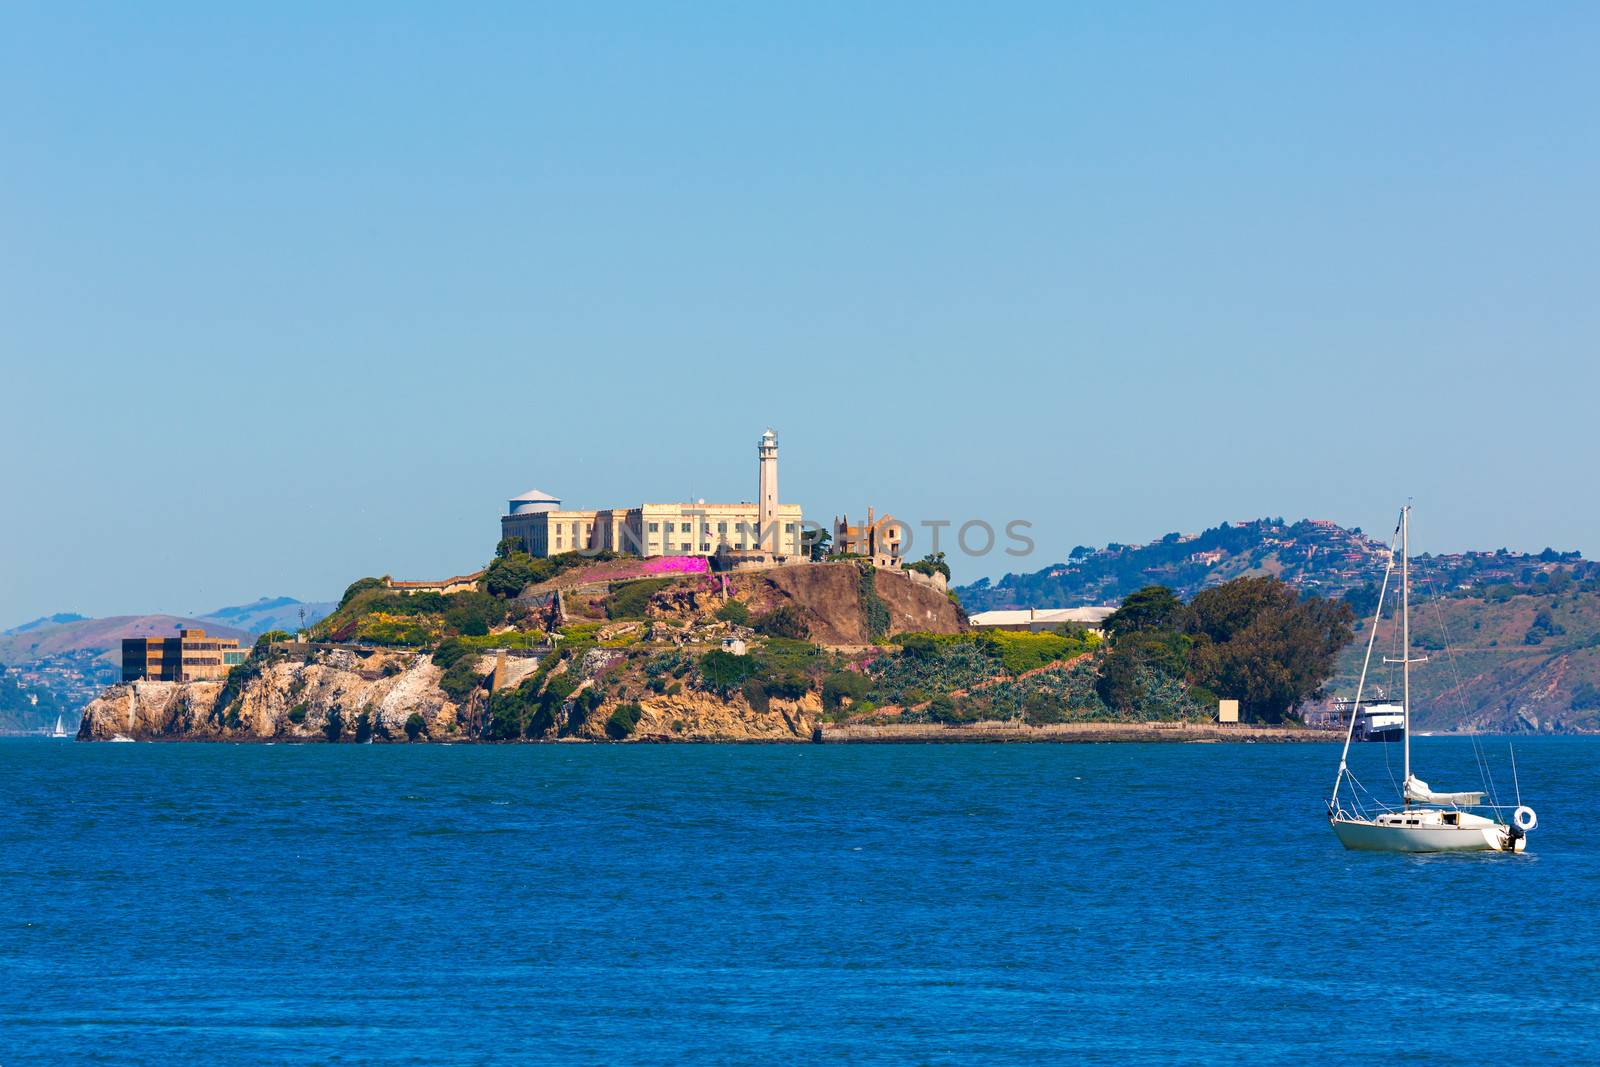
60	731
1427	820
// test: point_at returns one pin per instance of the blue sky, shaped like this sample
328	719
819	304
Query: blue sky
300	293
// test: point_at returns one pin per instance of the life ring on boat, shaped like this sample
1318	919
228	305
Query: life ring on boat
1524	818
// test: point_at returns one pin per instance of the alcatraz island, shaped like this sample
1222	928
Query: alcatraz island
733	622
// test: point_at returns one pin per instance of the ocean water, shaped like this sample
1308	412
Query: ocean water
1120	904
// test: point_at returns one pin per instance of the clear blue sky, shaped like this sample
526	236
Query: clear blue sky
298	293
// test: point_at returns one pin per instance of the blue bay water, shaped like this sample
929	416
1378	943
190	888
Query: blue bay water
216	904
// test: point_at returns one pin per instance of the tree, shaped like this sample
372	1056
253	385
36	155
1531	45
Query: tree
473	613
360	585
508	576
1256	641
508	546
817	542
1155	607
931	564
786	621
1134	657
416	725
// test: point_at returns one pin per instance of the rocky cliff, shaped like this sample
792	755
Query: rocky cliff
339	696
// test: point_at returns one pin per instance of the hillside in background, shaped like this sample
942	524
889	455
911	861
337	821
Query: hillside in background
44	621
1519	659
274	613
1314	555
65	666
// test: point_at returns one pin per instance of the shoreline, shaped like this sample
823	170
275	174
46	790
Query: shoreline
1068	733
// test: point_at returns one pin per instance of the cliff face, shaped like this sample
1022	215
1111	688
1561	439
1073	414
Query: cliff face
830	596
339	697
335	697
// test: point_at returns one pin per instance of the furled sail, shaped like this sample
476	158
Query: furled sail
1417	792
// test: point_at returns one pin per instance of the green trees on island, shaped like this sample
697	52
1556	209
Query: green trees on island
931	564
1252	639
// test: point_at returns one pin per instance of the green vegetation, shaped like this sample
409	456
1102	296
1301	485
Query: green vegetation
458	659
511	573
623	720
1020	651
736	612
787	621
723	672
416	726
844	685
297	714
409	630
628	600
875	614
931	564
1155	607
472	613
1253	639
356	588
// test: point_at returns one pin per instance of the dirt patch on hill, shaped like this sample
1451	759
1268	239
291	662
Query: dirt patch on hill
830	596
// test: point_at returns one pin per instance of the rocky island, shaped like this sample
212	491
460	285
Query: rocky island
617	648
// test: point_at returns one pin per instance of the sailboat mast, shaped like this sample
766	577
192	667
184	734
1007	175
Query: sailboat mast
1405	641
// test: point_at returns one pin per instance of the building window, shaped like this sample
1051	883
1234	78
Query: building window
705	548
683	547
788	527
655	526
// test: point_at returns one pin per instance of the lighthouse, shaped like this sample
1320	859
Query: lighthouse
767	493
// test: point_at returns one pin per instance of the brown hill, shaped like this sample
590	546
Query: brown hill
100	635
829	595
1508	664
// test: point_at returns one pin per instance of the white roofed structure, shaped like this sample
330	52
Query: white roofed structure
1040	618
532	502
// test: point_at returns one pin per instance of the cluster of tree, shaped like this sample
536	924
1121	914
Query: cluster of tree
931	564
1252	639
512	570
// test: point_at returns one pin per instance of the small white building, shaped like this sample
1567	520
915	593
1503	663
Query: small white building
1038	620
733	645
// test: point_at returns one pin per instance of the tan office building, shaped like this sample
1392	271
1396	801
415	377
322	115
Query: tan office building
192	656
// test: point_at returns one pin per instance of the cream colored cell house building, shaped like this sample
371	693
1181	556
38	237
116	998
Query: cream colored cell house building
546	528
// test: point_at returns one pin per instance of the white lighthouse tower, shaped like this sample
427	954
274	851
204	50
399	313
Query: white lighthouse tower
767	499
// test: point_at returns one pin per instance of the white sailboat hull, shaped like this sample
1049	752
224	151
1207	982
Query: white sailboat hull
1365	836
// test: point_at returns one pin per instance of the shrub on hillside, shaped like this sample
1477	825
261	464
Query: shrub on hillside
509	575
628	600
844	684
723	672
1020	651
416	725
382	628
786	621
875	615
735	611
623	721
473	613
360	585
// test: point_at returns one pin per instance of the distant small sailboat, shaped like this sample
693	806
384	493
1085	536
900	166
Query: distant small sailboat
61	730
1438	822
